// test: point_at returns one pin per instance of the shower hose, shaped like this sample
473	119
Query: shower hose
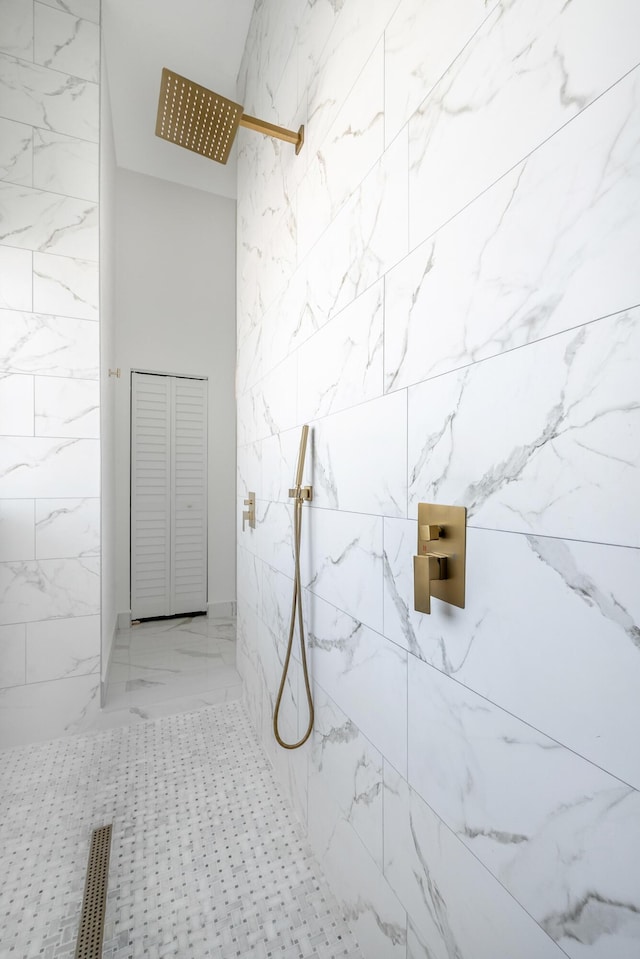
296	606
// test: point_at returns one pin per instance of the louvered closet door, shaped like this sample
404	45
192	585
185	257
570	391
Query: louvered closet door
189	500
168	495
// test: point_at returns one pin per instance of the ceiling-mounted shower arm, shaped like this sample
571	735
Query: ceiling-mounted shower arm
271	130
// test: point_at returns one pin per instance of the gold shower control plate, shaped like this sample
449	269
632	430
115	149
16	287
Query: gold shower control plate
439	566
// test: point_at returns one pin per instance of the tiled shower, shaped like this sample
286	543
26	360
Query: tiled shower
444	284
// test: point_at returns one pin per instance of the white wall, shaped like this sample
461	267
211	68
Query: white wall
445	285
108	612
175	309
49	356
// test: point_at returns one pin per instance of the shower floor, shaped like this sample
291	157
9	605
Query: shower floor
207	858
170	666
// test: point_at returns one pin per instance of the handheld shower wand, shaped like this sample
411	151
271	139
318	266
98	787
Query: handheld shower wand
300	493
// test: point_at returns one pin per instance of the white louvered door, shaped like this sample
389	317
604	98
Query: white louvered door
168	495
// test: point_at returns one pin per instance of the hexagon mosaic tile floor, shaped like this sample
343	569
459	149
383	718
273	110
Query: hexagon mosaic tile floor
207	858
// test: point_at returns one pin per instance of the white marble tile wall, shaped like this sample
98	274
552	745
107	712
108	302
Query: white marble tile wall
49	363
444	285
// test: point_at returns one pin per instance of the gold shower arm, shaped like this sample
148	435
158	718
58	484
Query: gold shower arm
271	130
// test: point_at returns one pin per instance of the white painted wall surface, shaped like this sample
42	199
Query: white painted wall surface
445	285
175	313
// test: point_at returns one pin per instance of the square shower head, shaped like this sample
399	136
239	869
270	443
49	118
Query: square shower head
196	118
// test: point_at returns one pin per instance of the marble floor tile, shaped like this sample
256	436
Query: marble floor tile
170	666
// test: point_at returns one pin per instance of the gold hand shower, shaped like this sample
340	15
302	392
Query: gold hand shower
300	494
202	121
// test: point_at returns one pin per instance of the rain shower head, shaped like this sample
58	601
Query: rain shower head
202	121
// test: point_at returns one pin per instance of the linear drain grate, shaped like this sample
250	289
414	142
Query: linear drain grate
89	944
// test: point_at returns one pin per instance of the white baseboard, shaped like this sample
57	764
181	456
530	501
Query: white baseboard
124	620
222	610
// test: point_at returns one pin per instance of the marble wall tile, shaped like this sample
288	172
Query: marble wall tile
250	471
292	715
421	41
30	93
561	834
455	906
279	461
249	368
524	294
265	270
51	345
350	771
66	43
248	628
342	561
61	648
357	29
341	365
291	768
67	527
270	406
12	655
65	286
65	165
375	915
499	275
272	538
43	467
89	9
15	278
340	163
16	29
16	405
48	222
540	454
279	23
275	606
49	589
537	607
41	711
276	397
16	152
360	458
287	322
67	407
249	579
539	65
367	237
364	674
17	529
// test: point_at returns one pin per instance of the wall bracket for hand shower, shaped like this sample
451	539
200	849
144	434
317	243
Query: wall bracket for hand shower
205	122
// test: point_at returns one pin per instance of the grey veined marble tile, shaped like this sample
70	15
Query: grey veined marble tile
559	833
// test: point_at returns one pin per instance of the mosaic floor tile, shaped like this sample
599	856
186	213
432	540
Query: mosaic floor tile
207	857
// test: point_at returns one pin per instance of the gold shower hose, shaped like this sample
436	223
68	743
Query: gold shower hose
297	604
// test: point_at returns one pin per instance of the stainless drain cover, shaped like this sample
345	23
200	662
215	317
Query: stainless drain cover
90	931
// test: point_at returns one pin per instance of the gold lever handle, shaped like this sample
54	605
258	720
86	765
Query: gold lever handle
428	567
